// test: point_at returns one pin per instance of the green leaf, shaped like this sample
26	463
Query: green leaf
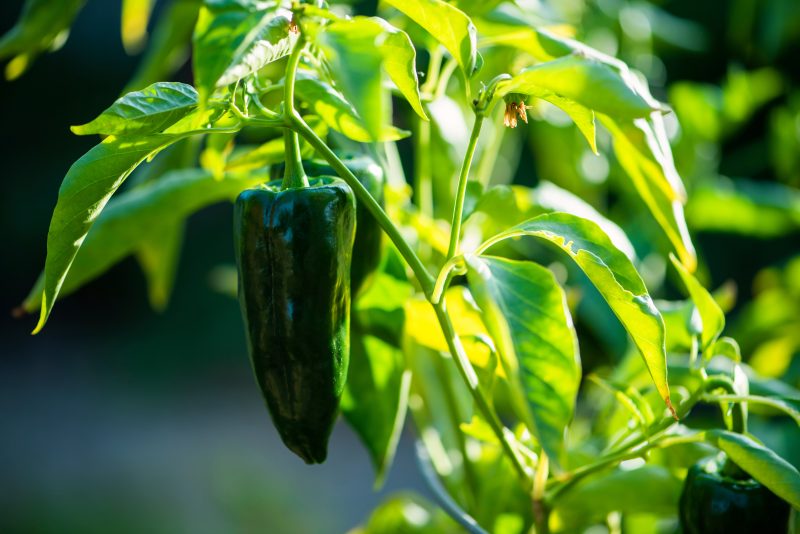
758	209
43	25
761	463
770	402
355	63
526	313
649	489
643	152
139	219
158	256
135	16
399	61
87	187
376	398
584	80
615	277
582	116
711	315
169	45
231	39
338	113
448	25
150	110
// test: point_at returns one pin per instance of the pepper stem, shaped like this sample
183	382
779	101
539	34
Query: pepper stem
294	174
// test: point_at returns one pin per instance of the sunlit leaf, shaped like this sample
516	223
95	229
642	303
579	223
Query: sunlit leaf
138	219
150	110
526	312
644	154
448	25
87	187
711	315
761	463
135	16
614	276
338	113
584	80
158	256
407	513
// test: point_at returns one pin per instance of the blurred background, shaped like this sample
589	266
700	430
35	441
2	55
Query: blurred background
118	415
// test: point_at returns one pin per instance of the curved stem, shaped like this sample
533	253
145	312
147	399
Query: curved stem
420	272
458	209
471	381
294	174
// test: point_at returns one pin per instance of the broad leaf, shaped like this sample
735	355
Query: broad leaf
644	154
585	80
87	187
761	463
582	116
136	220
355	63
614	276
43	25
649	489
375	398
448	25
231	39
526	312
407	513
399	61
711	315
150	110
338	113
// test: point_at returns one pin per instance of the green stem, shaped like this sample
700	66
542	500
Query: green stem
294	174
458	209
423	184
425	279
471	381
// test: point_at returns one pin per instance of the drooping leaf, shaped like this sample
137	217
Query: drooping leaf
338	113
614	276
711	315
150	110
87	187
376	397
43	25
407	513
448	25
644	154
169	45
649	489
504	206
584	80
761	463
526	312
400	62
135	16
232	38
158	255
582	116
137	219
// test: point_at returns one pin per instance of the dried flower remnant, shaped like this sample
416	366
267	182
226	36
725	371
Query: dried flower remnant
514	110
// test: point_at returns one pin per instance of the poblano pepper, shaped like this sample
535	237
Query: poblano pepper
293	251
721	499
367	246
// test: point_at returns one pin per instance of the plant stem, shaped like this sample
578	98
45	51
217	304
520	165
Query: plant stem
458	209
471	381
425	279
294	175
423	184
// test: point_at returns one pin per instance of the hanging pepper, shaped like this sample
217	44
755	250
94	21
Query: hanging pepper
719	498
367	246
293	251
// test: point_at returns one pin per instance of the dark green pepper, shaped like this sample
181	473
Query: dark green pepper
367	246
717	499
293	251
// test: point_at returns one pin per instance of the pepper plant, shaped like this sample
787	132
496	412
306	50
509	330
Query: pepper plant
460	298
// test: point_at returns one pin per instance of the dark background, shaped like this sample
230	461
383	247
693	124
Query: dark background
117	417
